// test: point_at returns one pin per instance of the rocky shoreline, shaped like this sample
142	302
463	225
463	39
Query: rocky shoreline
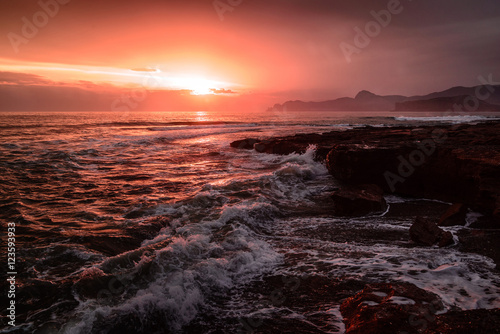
456	164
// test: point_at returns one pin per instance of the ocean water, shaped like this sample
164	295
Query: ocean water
149	222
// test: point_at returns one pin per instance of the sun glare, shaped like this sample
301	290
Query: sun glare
150	78
198	85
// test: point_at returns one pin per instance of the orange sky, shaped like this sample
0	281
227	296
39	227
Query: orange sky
261	53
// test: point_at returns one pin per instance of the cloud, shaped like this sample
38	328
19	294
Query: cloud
154	70
222	91
270	45
28	92
15	78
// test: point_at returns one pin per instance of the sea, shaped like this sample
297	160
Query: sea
149	222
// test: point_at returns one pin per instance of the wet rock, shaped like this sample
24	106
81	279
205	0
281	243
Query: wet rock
457	163
361	164
389	308
465	322
425	232
455	215
358	200
454	164
446	239
263	146
496	212
136	213
484	242
281	147
491	222
486	223
247	144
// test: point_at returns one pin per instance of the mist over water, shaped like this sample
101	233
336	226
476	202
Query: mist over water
150	220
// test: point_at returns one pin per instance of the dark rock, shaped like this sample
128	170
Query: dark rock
455	215
344	163
486	223
426	232
465	322
263	146
136	213
457	163
281	147
484	242
446	239
389	308
358	200
246	144
454	164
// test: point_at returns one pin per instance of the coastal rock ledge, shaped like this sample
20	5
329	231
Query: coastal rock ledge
455	163
384	308
458	164
358	200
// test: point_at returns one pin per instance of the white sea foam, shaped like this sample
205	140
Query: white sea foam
198	260
401	300
454	119
213	254
463	280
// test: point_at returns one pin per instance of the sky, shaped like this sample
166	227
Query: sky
247	54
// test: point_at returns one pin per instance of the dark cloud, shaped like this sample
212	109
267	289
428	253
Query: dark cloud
14	78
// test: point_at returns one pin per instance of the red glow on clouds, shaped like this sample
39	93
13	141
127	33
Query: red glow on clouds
256	52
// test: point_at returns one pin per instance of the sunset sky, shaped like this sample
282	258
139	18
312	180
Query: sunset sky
204	54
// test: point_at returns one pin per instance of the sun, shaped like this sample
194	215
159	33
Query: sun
194	83
197	85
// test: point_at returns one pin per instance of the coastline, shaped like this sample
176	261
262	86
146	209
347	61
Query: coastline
454	163
456	167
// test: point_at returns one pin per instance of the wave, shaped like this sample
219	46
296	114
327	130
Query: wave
184	270
213	243
119	124
196	126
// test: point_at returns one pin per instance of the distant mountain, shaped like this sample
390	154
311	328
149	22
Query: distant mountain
493	91
455	103
367	101
364	101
